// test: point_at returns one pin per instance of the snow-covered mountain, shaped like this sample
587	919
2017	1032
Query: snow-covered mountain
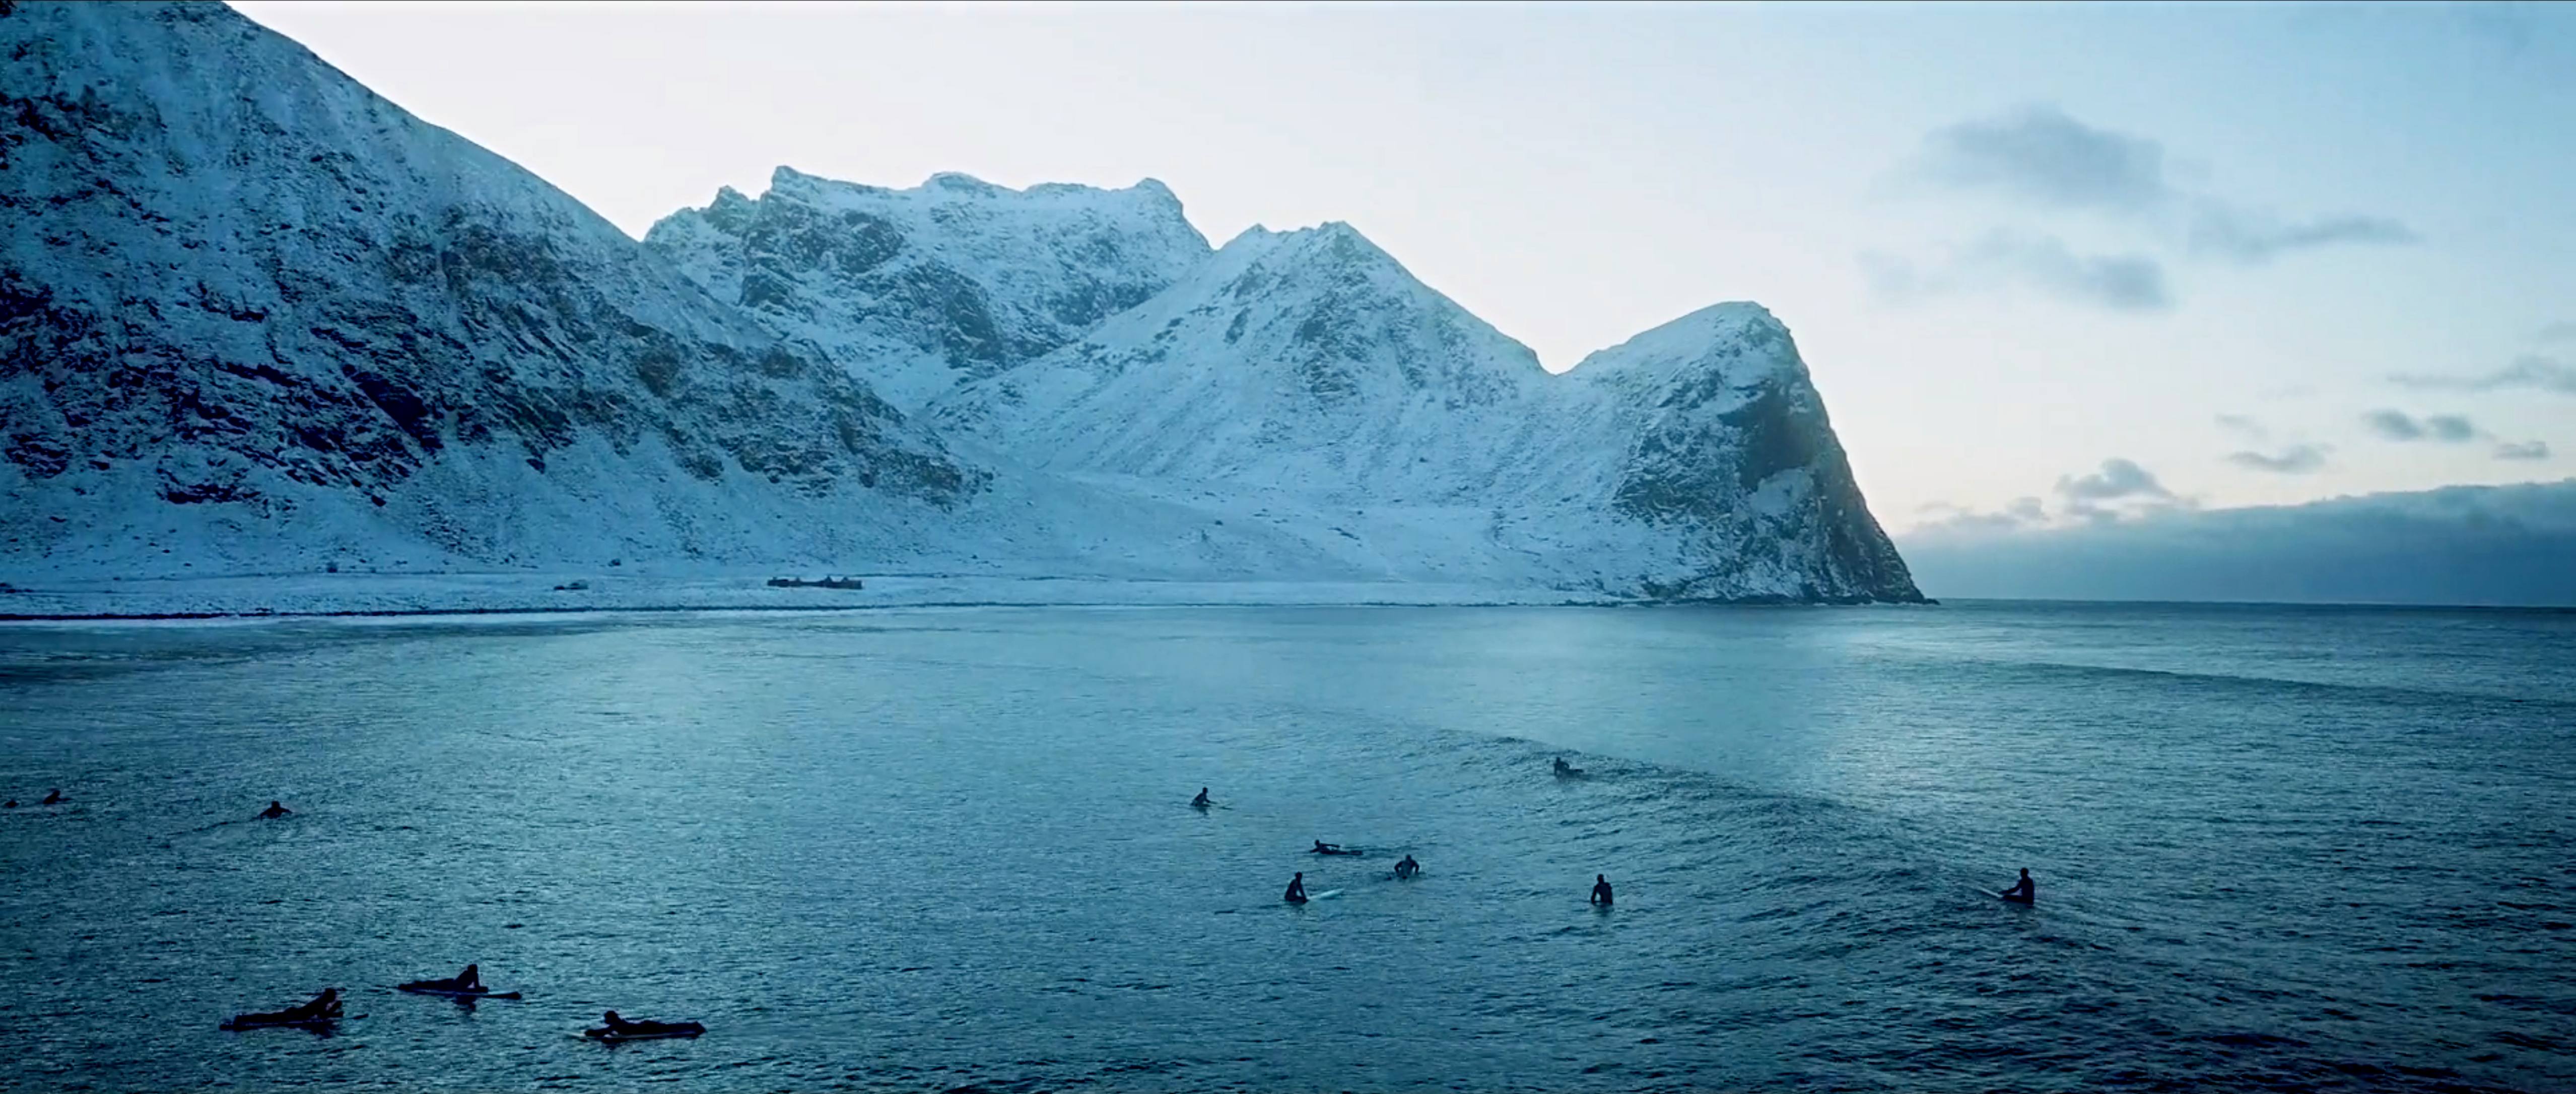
251	313
920	290
256	319
1311	371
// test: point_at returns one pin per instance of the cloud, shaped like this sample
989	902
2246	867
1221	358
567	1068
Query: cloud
2040	153
2118	478
2562	331
2522	450
2046	160
2243	425
2248	238
2022	513
2457	545
2119	282
2397	425
2298	459
2530	370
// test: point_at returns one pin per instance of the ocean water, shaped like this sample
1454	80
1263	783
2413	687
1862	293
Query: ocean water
2276	849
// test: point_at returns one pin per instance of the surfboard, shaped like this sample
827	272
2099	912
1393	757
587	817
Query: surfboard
610	1037
1325	895
446	993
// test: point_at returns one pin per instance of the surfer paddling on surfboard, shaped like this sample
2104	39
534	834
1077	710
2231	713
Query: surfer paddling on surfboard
2024	891
469	981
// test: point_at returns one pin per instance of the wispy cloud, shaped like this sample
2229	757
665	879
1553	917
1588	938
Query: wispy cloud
2025	512
2249	238
2040	154
2243	425
2529	371
2119	282
2298	459
2118	478
2562	331
2397	425
2120	489
2522	450
2046	161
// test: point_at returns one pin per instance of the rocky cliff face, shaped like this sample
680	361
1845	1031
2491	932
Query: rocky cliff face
920	290
248	306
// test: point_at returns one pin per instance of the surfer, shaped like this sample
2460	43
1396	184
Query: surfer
52	797
2024	891
621	1028
1297	888
274	811
469	980
1407	868
1200	802
1323	848
1601	889
1562	767
325	1005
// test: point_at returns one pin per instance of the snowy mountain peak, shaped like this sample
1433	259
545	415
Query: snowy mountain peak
1732	345
252	305
919	290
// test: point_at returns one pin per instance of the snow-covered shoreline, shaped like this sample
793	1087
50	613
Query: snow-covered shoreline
58	598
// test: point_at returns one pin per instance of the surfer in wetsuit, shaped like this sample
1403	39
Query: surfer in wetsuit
469	980
52	797
274	811
1200	802
1323	848
1407	868
2024	891
1562	767
325	1005
1601	889
1297	888
619	1025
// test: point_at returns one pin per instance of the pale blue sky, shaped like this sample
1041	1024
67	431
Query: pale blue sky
2014	242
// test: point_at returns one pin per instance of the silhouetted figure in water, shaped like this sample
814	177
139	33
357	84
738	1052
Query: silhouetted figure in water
52	797
274	811
10	804
1601	889
2024	891
1200	802
1297	888
1407	868
318	1008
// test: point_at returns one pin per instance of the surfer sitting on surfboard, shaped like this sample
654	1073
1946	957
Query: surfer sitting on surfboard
2024	891
1297	888
1201	801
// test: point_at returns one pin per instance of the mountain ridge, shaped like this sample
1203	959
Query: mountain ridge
254	316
